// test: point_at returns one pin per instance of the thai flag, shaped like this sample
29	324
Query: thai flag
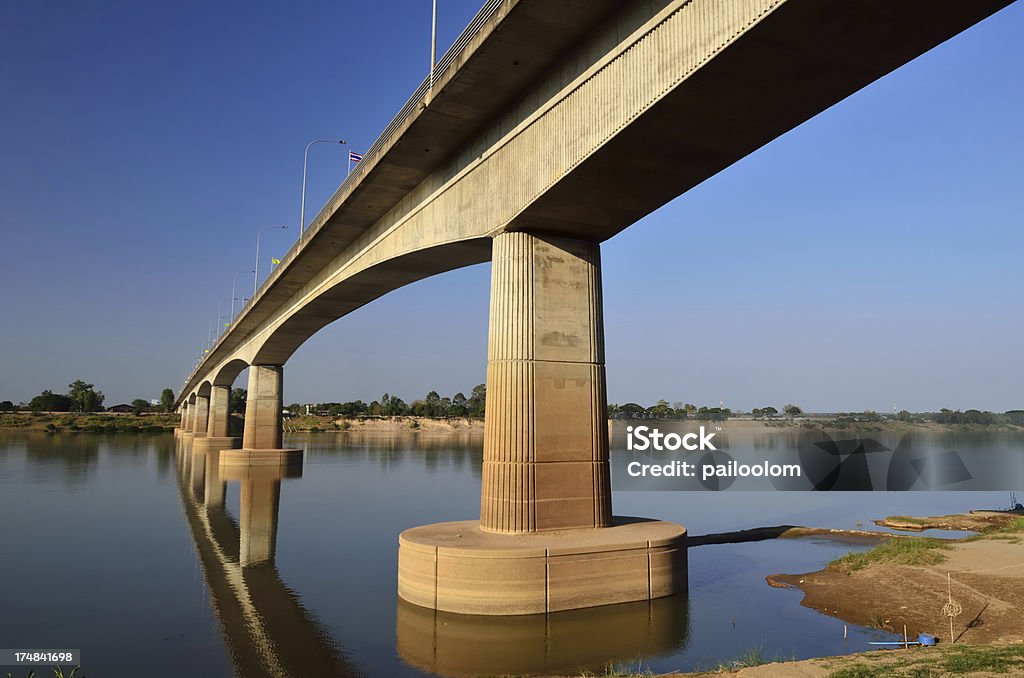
354	157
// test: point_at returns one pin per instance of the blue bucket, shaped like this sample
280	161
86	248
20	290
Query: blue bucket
926	639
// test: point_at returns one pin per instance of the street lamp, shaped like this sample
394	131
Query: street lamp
305	159
233	283
433	45
256	271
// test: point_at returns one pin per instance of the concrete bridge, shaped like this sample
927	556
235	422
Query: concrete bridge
549	127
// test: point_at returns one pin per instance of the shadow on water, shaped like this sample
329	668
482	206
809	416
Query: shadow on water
265	627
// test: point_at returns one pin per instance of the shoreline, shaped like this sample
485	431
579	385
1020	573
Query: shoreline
147	423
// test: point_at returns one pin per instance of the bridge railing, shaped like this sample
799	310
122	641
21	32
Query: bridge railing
369	158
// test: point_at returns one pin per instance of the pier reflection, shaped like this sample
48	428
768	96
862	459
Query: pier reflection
266	629
565	643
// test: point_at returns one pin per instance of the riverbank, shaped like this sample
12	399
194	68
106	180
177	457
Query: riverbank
102	422
903	582
977	661
99	422
910	581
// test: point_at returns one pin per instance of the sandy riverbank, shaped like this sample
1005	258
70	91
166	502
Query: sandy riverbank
906	583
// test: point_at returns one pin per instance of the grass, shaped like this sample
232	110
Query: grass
952	661
1010	532
90	423
905	551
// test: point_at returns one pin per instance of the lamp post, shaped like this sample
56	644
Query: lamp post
233	283
256	271
433	44
305	159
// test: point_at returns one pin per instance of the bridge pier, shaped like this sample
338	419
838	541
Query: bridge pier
200	421
262	435
185	421
217	437
546	539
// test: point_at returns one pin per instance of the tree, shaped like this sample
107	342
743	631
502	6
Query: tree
84	397
792	410
139	406
660	410
6	406
476	403
769	411
632	411
237	400
48	401
167	400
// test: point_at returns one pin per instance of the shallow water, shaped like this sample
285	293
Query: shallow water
117	545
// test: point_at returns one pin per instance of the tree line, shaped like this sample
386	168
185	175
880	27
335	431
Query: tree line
680	411
432	405
83	397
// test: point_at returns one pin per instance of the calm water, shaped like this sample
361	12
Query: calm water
122	546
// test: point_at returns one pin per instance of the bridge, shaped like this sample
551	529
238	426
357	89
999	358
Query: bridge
548	128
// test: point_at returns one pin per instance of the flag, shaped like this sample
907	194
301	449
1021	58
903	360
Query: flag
354	157
275	260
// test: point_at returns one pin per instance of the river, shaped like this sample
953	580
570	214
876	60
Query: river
116	545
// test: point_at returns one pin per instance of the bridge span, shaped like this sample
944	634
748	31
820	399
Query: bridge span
549	128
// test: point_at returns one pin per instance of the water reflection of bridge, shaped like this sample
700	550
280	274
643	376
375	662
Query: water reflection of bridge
267	630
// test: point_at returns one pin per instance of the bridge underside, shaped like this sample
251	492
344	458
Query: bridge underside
653	99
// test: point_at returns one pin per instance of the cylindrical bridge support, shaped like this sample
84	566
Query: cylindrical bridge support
546	540
546	438
263	408
220	411
261	439
201	421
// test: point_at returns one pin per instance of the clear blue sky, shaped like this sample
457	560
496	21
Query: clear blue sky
872	256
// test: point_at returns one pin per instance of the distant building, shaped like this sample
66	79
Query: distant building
121	408
154	402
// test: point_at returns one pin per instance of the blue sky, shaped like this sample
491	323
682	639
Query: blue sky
868	258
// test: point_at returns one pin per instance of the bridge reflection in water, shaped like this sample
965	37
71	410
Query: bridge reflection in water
587	639
267	630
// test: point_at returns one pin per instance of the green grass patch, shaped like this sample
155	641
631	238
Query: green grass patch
1009	532
963	660
908	551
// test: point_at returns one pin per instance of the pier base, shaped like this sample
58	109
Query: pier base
457	567
279	458
217	443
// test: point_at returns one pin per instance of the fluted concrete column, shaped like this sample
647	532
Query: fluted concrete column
259	504
184	417
202	415
263	408
546	436
220	411
191	427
